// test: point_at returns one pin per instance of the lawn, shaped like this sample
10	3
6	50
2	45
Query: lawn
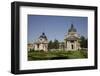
54	55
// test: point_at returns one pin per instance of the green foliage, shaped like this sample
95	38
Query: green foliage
31	50
53	45
50	45
83	42
56	44
58	54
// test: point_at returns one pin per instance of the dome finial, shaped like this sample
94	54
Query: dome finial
43	33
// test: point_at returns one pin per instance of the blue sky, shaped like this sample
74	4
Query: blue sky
55	27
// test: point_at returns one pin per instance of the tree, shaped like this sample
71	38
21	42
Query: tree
50	45
53	45
56	44
83	42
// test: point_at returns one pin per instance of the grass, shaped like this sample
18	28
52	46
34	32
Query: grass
54	55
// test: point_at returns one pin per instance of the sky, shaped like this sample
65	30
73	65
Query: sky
55	27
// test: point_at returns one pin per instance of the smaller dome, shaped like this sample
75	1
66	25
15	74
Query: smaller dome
41	39
43	36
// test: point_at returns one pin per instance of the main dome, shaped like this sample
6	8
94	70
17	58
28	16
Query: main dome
72	29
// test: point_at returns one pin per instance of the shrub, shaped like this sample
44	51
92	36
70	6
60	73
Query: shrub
51	55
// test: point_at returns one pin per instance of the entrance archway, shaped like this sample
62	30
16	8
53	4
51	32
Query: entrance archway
72	47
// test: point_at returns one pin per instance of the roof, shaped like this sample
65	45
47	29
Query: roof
42	39
43	36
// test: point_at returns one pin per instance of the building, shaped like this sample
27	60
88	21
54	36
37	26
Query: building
71	42
30	46
41	43
72	39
